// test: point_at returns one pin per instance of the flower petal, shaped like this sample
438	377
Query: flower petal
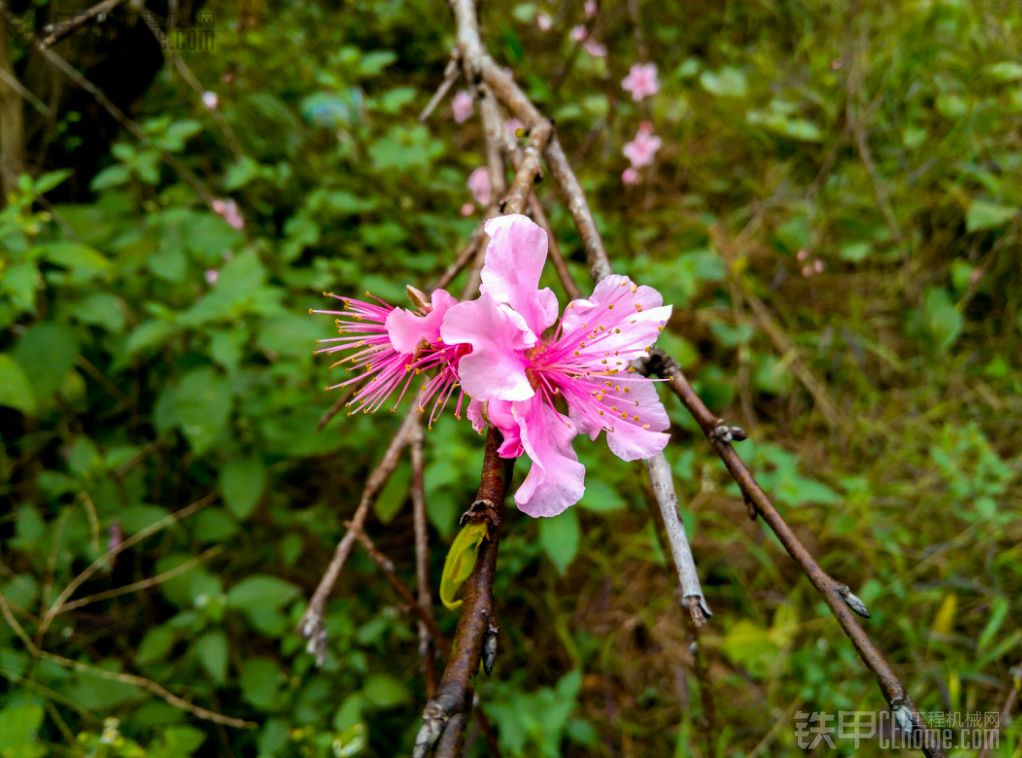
626	407
556	480
407	329
495	369
513	265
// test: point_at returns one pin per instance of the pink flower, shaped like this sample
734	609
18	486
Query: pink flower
462	106
595	49
228	209
641	81
643	148
512	125
479	185
590	8
516	373
210	99
579	33
211	276
630	176
467	209
390	346
544	22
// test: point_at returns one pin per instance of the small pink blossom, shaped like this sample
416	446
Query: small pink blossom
479	185
590	8
595	49
641	81
544	22
389	347
210	99
462	106
643	148
516	371
630	176
228	209
211	276
512	125
467	209
819	266
579	33
802	254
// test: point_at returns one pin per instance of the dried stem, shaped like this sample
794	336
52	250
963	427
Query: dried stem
837	596
58	605
423	591
76	22
662	482
556	258
446	714
451	74
117	676
311	626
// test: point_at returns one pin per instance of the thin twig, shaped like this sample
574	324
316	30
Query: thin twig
662	482
312	627
116	550
837	596
556	258
422	584
142	584
451	73
117	676
57	32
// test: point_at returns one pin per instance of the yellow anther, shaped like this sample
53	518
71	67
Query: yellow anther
610	307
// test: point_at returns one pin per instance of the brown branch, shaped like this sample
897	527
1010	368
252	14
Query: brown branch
837	596
992	739
12	125
451	74
556	258
446	714
423	592
57	32
311	627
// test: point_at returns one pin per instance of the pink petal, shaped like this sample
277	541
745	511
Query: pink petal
407	329
556	480
495	369
513	266
616	324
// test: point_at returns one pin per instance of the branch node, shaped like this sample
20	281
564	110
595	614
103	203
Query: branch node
726	433
490	647
852	600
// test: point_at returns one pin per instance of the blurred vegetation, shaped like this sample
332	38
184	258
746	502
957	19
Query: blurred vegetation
152	354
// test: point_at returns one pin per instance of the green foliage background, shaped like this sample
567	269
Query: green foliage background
882	395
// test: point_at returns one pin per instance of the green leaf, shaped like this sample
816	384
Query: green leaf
260	682
261	591
601	497
385	691
373	63
242	482
155	645
202	406
460	561
19	727
176	741
101	309
559	537
727	82
15	390
47	353
984	215
211	648
82	261
942	319
394	494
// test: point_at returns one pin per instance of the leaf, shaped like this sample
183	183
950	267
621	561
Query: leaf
47	353
942	319
601	497
176	741
101	309
19	727
727	82
260	682
15	390
559	536
211	648
242	482
82	261
155	645
261	591
385	691
984	215
944	621
202	406
460	561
